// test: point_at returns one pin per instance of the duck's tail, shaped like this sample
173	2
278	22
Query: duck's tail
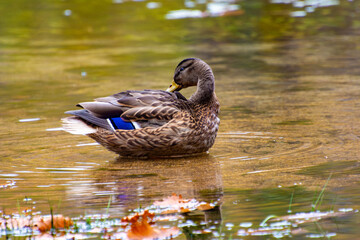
75	125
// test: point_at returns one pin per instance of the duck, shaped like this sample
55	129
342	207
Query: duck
154	123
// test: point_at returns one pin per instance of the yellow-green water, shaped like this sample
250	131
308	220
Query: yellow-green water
288	87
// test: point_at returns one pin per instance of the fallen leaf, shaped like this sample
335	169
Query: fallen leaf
176	204
204	207
43	223
15	223
175	201
140	227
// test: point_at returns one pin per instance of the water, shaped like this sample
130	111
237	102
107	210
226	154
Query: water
287	77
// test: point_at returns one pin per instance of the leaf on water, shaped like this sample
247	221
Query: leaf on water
172	211
43	223
176	204
174	201
140	227
40	223
15	223
205	207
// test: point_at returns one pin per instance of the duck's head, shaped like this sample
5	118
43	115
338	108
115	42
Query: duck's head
187	73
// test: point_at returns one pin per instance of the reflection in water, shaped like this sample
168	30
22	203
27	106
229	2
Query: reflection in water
141	181
134	182
137	183
288	87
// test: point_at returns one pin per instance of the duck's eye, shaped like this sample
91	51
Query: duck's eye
182	69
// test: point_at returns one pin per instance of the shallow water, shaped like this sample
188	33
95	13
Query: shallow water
288	88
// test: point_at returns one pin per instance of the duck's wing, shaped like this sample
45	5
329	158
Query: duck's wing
145	106
150	105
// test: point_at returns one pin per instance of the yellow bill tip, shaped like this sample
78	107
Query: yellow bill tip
173	87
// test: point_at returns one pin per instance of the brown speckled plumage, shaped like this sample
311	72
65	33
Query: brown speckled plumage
170	124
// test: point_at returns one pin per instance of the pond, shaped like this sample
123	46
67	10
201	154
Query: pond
288	81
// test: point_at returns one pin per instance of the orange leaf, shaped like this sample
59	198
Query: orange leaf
140	227
184	210
174	204
204	207
43	224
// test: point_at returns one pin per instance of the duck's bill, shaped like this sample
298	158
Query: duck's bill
174	87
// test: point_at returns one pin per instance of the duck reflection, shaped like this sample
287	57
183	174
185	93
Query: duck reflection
141	182
144	181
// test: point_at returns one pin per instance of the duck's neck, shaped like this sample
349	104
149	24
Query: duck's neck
205	88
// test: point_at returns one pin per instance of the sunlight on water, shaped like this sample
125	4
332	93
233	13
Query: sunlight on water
29	120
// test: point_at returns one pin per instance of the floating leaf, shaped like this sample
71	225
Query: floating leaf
140	227
205	207
176	204
174	201
40	223
43	223
15	223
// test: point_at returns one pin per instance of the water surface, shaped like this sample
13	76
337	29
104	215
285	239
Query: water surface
287	77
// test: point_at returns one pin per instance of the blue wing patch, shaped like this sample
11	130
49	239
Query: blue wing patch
119	123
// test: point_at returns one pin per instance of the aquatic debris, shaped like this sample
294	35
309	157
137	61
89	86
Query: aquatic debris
40	223
305	217
15	223
176	204
148	223
205	206
279	227
145	224
45	223
140	227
